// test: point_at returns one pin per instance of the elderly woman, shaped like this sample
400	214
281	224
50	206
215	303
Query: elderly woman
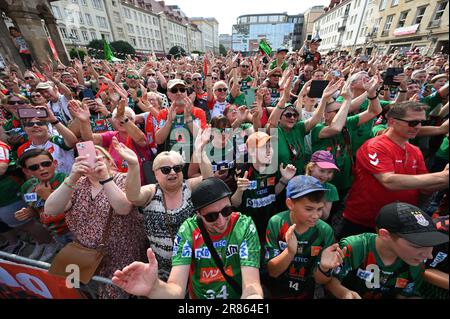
167	204
125	131
91	196
152	85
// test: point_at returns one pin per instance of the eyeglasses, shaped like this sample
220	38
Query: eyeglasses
222	90
213	216
196	79
35	167
132	76
17	102
214	78
412	123
245	66
29	78
61	69
276	75
176	90
151	74
167	169
289	115
31	124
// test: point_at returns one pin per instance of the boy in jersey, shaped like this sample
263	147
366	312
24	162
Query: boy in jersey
232	235
295	239
388	264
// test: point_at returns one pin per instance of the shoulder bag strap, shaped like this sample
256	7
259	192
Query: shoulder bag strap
233	283
107	229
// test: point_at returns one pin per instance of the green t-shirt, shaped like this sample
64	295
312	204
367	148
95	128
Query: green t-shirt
362	256
238	100
297	281
291	147
378	128
433	100
332	195
443	149
273	65
340	149
237	247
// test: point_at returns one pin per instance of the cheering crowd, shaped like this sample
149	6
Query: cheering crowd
292	175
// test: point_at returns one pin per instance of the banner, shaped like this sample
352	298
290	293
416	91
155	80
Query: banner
24	282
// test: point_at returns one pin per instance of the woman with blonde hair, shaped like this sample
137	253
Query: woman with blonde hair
92	199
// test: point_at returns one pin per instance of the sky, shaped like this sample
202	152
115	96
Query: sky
227	11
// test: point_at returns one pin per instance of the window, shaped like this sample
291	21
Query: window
56	12
138	30
394	3
402	19
74	34
130	28
63	32
140	17
419	14
74	1
84	3
88	18
383	4
135	16
440	8
120	31
80	17
97	4
155	21
116	16
127	13
85	36
387	25
69	15
102	22
93	35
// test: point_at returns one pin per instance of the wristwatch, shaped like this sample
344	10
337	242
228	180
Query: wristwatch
325	273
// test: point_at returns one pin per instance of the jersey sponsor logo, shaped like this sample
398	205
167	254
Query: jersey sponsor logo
232	250
373	159
202	253
440	257
263	191
283	245
401	283
253	185
366	275
220	243
211	274
187	250
30	197
261	202
315	250
4	154
176	244
252	228
243	253
299	259
420	219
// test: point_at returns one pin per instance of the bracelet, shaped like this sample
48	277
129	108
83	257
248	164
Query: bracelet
68	185
325	273
372	98
282	183
403	91
55	122
106	180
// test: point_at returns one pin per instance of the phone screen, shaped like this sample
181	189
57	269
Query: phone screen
250	96
388	78
317	87
88	93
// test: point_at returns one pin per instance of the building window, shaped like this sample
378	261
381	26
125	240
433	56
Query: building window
74	34
69	15
440	8
85	36
127	13
116	16
120	31
130	28
93	35
80	17
419	14
102	22
97	4
155	21
402	19
63	32
133	41
383	4
135	16
74	1
88	18
394	3
84	3
387	25
56	12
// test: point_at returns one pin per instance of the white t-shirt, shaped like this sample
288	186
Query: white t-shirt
61	109
218	108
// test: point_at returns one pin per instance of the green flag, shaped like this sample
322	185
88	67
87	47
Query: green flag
107	51
265	47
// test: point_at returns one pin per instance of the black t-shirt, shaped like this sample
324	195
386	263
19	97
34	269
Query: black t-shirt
312	58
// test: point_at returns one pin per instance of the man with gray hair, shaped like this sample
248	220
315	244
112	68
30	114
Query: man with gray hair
388	169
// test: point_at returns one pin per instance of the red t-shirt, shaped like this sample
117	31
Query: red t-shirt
367	195
197	113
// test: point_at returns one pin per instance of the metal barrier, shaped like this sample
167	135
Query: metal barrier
88	289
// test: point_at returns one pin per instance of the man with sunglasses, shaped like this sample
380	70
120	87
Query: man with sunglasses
388	169
202	98
232	235
132	86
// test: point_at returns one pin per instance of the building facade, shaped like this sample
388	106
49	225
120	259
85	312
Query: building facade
402	24
310	16
225	40
279	29
210	32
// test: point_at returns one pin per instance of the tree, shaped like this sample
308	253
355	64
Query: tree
77	54
177	52
222	50
122	47
96	49
119	48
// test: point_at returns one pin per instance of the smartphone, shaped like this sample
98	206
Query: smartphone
337	73
88	93
250	96
388	78
29	113
87	149
317	87
364	58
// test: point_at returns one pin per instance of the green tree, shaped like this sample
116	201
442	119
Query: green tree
77	54
122	48
177	52
96	49
222	50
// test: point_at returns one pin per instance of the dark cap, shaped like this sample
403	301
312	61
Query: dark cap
410	223
209	191
316	39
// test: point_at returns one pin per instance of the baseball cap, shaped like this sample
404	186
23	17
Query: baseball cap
257	139
282	49
324	159
301	185
209	191
316	39
43	86
410	223
174	82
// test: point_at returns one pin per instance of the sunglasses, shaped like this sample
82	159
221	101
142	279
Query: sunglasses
35	167
412	123
222	90
17	102
196	79
176	90
31	124
289	115
214	78
151	74
276	75
213	216
167	169
131	76
245	66
29	78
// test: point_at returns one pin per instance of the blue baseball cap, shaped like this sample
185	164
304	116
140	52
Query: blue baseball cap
301	185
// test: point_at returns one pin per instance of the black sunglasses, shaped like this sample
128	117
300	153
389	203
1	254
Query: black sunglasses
222	90
214	78
245	66
176	90
35	167
196	79
167	169
289	115
276	75
29	78
213	216
31	124
412	123
16	102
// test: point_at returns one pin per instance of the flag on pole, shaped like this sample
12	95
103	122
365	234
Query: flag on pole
264	47
107	51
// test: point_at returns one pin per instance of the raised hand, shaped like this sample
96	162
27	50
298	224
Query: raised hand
43	190
242	113
125	153
243	183
291	240
332	87
372	86
79	168
80	110
288	171
138	278
332	257
203	137
346	91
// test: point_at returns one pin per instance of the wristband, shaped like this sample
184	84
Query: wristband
325	273
403	91
372	98
106	181
282	183
55	122
68	185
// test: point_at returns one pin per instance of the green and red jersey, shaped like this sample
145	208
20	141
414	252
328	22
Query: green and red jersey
238	246
297	281
363	271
